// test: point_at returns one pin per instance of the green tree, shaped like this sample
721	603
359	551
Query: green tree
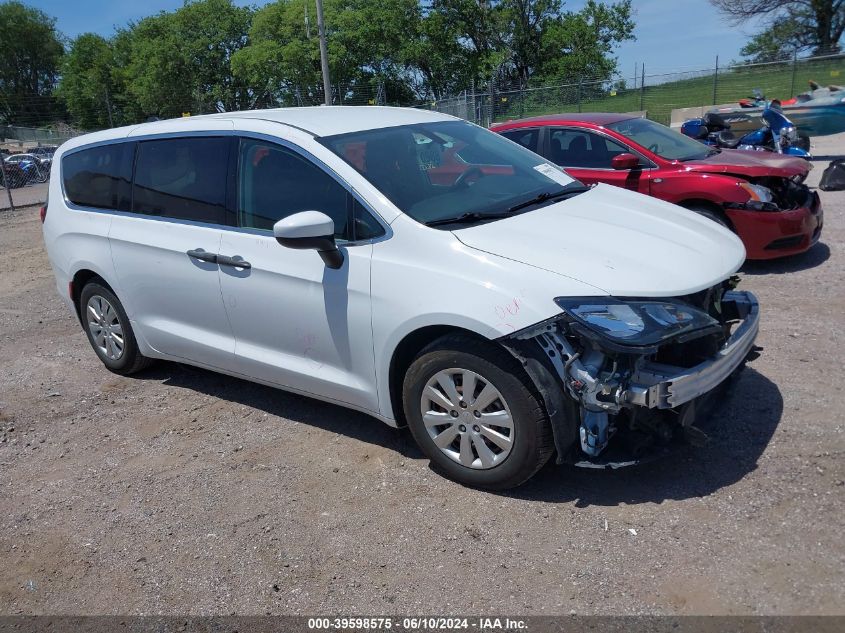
367	47
211	32
580	44
437	63
790	26
30	56
282	60
517	42
181	61
86	86
479	29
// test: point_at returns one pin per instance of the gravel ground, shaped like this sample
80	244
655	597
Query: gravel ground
184	492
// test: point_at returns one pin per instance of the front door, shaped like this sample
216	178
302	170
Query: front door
297	323
587	156
164	249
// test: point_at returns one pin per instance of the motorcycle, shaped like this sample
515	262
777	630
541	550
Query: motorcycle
34	169
777	134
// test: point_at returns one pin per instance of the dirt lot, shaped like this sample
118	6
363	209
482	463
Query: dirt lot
181	491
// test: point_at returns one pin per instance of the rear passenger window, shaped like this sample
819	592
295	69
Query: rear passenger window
182	178
99	177
276	182
526	138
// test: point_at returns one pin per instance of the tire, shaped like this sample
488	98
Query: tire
710	214
96	298
803	142
462	359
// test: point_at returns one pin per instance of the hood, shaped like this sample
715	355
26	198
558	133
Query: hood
750	163
624	243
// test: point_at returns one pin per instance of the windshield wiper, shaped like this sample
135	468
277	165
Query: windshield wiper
710	152
474	216
567	191
468	218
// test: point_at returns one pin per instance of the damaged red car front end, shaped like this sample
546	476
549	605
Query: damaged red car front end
758	195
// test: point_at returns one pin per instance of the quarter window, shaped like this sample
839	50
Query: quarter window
182	178
366	226
276	182
99	177
577	148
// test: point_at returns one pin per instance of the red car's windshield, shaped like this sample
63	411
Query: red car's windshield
661	140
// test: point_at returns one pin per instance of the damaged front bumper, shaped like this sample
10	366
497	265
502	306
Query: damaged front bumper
790	225
633	401
666	387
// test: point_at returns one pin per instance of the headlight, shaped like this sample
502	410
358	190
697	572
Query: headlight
789	133
757	192
636	322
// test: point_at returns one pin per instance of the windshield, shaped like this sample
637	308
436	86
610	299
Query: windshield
661	140
449	169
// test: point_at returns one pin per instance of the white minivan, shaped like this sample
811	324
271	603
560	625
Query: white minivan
407	264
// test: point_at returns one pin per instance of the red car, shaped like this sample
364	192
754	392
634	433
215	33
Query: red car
758	195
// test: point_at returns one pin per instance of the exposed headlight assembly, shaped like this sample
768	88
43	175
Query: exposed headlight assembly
789	133
636	323
760	198
757	192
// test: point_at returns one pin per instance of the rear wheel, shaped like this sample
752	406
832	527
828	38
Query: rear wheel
475	414
109	330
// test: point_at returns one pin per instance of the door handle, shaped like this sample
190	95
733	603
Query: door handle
225	260
205	256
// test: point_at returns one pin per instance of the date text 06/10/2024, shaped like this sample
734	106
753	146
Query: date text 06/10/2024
416	624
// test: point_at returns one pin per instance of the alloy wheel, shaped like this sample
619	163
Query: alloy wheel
467	418
104	325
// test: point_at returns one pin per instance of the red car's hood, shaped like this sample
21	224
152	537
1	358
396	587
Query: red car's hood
751	164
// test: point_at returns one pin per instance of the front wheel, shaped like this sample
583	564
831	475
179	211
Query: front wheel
475	414
803	142
710	214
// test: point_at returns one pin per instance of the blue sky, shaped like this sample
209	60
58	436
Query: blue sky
672	35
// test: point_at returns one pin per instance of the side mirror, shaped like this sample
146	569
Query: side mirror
625	161
310	230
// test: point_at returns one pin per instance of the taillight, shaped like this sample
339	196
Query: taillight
43	213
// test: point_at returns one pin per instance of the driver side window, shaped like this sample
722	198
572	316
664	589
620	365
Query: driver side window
578	148
276	182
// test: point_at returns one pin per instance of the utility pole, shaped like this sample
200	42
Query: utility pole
324	54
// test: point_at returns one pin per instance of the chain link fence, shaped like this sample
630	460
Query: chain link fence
26	157
26	150
654	95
